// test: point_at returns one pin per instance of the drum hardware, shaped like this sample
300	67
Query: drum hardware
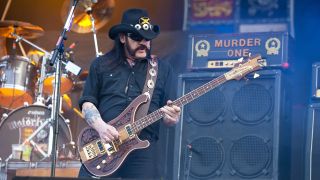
49	150
4	116
94	32
46	80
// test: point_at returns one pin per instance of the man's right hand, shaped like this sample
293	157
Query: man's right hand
91	114
107	132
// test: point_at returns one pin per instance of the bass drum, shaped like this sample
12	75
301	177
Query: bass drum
22	122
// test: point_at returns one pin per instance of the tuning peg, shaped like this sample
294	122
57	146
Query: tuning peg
256	75
240	59
249	54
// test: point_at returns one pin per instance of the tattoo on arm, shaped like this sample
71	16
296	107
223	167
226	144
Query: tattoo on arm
91	114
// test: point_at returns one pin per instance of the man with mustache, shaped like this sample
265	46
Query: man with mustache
116	78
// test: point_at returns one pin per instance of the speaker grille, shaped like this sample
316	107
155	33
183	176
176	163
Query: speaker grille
235	127
252	104
250	156
213	106
207	158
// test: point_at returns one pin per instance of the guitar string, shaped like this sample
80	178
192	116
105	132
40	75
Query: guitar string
156	115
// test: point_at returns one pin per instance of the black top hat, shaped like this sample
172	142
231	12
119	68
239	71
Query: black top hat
135	21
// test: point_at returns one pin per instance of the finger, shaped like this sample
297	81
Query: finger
170	121
176	108
168	110
105	139
169	102
169	118
111	135
113	132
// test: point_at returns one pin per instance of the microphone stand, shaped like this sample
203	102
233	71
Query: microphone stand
56	59
188	166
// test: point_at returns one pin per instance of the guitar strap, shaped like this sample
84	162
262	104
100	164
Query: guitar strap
149	85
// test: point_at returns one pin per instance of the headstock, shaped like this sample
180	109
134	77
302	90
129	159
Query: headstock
241	69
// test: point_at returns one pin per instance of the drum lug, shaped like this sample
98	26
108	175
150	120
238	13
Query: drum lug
4	116
3	78
67	121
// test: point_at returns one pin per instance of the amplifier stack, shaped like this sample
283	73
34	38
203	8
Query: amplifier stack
313	128
239	130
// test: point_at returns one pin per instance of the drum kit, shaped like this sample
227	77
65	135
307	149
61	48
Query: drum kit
26	87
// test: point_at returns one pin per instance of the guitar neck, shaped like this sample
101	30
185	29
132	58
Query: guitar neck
187	98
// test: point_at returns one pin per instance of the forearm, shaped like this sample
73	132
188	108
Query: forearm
92	115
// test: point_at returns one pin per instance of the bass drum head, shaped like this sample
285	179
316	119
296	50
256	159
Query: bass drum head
22	122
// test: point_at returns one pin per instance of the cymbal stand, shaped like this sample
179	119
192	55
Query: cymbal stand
94	32
22	49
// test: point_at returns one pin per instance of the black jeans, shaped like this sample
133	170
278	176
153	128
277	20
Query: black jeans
140	164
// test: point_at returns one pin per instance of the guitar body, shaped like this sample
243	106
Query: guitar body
104	164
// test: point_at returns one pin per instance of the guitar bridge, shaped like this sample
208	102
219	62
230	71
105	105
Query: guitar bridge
96	148
89	151
108	148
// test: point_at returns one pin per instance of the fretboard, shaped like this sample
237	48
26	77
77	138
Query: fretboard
187	98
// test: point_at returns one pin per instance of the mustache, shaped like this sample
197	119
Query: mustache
142	47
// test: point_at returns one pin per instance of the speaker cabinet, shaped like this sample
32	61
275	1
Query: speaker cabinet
313	143
233	131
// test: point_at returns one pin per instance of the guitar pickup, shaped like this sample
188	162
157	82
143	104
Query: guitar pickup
129	130
100	147
110	148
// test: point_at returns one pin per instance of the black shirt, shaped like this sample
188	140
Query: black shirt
112	88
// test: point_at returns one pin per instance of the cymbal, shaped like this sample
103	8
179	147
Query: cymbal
101	12
24	29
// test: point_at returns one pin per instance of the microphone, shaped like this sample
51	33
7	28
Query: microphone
192	149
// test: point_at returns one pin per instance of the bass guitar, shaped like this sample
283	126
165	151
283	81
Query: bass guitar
102	159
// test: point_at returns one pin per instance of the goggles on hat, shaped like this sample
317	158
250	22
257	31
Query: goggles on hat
136	37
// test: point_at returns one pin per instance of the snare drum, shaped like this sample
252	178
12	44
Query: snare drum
18	78
22	122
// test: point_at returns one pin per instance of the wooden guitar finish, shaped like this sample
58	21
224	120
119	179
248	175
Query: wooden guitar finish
102	159
113	162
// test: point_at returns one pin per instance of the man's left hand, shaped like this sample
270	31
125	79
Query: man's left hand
171	113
